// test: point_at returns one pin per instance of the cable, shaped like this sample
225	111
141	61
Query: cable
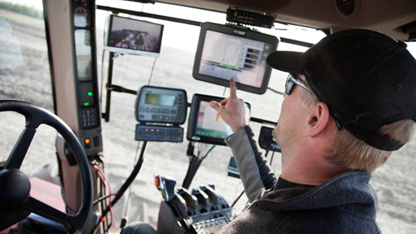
196	161
107	185
103	198
271	160
225	89
212	147
275	91
202	155
238	198
151	73
129	193
126	184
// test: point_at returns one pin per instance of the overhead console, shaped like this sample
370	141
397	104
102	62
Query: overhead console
226	51
205	123
160	111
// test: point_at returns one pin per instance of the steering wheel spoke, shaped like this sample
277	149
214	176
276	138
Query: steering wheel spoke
20	148
44	210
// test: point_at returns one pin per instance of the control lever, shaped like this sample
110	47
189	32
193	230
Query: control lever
203	198
166	186
190	199
210	192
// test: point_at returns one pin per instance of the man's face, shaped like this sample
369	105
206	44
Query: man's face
288	130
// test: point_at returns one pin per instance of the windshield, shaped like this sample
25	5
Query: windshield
25	75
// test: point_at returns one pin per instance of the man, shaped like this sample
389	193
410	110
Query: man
350	100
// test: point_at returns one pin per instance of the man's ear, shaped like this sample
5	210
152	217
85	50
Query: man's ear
318	120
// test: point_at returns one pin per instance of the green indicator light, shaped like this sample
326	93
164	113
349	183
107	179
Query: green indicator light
90	94
86	104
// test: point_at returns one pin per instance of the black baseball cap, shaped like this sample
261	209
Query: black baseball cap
366	78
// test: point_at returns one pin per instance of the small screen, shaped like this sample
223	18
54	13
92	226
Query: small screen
226	56
156	104
210	123
131	36
160	99
205	124
83	52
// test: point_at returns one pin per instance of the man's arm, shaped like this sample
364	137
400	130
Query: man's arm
254	171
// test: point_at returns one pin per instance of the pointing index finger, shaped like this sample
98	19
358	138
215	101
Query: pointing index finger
233	88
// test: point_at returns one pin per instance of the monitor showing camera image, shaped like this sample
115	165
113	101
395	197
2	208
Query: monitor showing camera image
226	52
132	36
205	124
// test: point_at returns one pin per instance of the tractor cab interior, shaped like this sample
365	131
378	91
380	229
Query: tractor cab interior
90	89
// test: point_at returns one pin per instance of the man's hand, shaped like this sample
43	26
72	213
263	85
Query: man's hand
232	110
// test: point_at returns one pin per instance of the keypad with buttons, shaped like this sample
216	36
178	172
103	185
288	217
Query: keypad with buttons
89	117
161	105
159	133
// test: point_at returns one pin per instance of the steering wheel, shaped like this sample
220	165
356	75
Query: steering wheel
15	200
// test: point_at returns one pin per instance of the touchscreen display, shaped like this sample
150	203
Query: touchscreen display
205	124
210	122
227	51
226	56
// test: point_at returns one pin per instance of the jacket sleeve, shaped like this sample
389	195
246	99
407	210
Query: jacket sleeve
255	172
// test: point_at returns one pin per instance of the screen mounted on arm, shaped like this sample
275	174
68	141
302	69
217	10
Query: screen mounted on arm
205	124
161	105
132	36
226	52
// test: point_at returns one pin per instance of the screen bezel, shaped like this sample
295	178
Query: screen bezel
143	89
193	119
121	50
237	32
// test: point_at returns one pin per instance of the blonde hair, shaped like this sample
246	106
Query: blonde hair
350	152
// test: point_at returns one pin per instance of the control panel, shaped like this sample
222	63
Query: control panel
209	204
159	133
72	46
201	210
89	117
161	105
266	140
210	225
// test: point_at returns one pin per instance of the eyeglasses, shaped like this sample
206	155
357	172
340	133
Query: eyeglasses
291	80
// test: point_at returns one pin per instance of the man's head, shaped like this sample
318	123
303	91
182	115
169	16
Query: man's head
366	79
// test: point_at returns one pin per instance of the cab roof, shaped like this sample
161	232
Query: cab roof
396	18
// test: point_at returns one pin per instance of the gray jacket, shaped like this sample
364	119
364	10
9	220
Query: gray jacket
346	203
